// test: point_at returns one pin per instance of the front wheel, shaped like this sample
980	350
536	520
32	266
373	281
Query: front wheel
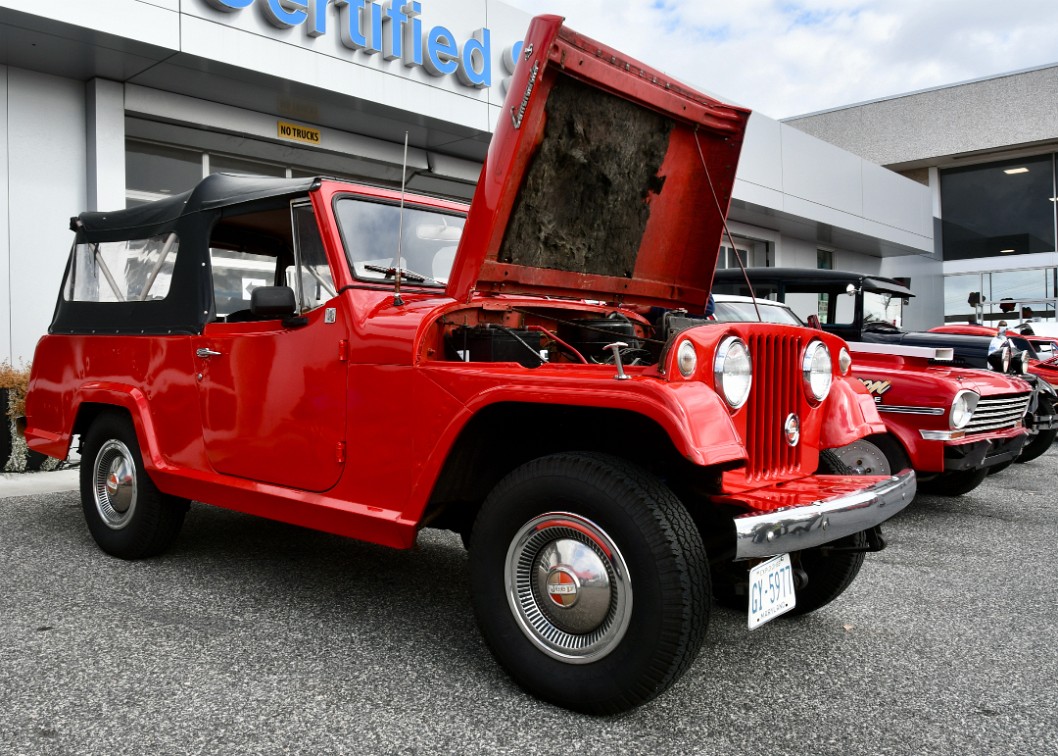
821	575
590	582
126	514
1042	440
954	483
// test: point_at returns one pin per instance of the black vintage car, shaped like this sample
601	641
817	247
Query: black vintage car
867	308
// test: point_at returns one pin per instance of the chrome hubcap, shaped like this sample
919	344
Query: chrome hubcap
114	486
567	585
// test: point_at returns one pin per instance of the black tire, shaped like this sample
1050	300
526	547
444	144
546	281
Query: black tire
1037	446
1042	441
826	574
954	483
642	582
829	572
1000	467
126	513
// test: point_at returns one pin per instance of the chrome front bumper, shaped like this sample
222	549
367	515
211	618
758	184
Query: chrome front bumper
804	527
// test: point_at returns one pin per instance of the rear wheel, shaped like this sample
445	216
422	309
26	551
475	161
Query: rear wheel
126	514
590	582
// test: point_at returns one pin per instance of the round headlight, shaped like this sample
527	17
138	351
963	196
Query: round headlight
733	371
818	370
962	409
844	361
687	359
999	360
1020	363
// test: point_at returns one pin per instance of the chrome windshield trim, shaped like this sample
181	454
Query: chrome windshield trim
797	528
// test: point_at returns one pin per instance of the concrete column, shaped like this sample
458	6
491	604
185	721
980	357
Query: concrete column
105	142
5	224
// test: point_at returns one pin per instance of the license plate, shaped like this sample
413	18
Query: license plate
771	590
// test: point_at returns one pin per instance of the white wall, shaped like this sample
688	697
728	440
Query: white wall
45	140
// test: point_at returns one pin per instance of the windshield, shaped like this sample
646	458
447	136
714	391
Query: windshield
881	308
372	233
731	312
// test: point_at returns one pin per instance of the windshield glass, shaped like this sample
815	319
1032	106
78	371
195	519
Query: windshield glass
729	312
371	233
879	307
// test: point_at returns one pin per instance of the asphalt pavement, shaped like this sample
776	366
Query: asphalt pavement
253	637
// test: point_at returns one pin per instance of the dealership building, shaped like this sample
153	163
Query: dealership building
986	150
112	103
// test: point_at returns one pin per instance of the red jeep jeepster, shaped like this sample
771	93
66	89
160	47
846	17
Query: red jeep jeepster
400	363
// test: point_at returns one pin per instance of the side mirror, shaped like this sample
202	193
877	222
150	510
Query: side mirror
268	302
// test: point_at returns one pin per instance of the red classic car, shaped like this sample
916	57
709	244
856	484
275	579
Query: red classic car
369	363
953	425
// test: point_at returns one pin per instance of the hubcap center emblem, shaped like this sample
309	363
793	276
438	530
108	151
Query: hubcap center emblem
563	587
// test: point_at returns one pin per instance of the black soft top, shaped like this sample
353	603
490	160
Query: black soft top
216	191
190	216
808	279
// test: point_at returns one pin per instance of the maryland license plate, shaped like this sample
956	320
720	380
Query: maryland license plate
771	590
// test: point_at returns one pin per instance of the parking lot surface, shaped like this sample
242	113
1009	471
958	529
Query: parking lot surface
253	637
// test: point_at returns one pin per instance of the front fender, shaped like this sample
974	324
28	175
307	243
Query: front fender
693	416
851	415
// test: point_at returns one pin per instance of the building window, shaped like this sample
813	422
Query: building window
753	253
1004	208
988	298
154	171
243	167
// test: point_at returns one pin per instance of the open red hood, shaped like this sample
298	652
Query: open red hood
597	182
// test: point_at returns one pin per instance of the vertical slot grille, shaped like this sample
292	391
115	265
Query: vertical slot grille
776	393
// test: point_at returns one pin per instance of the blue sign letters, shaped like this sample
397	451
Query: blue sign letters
391	27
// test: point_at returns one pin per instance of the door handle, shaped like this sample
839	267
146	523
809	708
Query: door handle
205	353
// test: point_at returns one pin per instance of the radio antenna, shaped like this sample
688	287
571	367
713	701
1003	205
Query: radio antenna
397	301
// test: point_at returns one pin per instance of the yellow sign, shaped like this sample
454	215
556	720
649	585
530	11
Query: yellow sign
296	133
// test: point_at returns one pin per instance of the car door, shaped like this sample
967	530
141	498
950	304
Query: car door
272	392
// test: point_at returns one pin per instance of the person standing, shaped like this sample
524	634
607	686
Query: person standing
999	339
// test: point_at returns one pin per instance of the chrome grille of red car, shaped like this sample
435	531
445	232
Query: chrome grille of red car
776	393
998	412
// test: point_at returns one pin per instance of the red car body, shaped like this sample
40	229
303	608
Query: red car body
914	395
372	406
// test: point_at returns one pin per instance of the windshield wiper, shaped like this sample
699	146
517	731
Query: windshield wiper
411	275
